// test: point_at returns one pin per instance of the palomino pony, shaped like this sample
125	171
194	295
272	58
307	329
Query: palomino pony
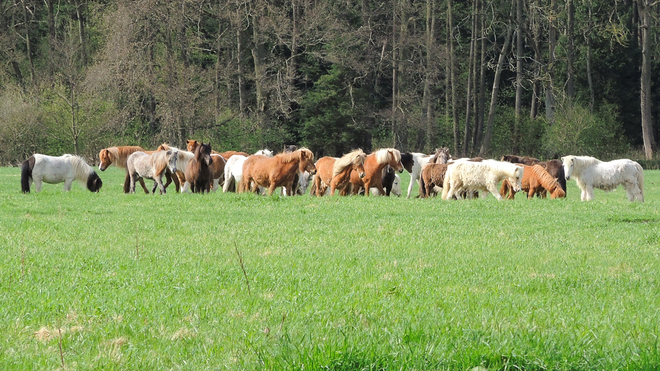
200	170
480	176
234	170
278	171
373	170
119	155
590	173
535	180
42	168
142	165
335	172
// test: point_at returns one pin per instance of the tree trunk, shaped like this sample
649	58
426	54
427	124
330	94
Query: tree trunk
570	52
519	76
645	94
395	75
479	125
496	87
452	71
552	42
28	44
239	59
587	37
472	65
80	11
426	106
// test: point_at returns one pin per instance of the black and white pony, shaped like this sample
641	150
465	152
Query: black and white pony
42	168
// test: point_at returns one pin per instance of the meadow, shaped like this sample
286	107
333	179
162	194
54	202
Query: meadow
244	282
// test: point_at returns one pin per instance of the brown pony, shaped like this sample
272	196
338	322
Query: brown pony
535	180
373	170
119	156
218	164
525	160
335	172
191	144
199	172
278	171
432	175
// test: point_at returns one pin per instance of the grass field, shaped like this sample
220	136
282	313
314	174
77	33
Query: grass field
127	282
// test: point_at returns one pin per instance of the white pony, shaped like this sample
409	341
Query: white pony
141	165
182	160
42	168
234	170
480	176
589	172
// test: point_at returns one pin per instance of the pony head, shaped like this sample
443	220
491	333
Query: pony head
172	157
516	178
568	162
264	152
396	185
94	183
106	158
390	156
203	153
441	156
306	161
358	164
191	145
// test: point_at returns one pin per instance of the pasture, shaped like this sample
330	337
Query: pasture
225	281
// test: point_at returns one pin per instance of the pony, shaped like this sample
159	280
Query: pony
118	156
304	181
590	173
278	171
234	170
441	156
335	172
151	166
525	160
373	167
395	187
183	158
42	168
535	180
200	169
433	175
484	176
556	169
218	164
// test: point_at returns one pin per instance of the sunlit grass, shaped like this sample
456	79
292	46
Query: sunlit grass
154	282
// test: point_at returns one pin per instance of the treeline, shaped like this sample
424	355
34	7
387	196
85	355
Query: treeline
484	77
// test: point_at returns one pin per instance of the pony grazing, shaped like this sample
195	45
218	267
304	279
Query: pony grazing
535	181
153	166
480	176
525	160
590	173
373	170
42	168
278	171
200	170
336	172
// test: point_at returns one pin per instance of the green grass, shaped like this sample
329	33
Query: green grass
154	282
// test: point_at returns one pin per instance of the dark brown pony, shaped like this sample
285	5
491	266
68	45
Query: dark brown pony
535	180
199	172
335	173
556	169
373	170
278	171
525	160
191	144
119	156
432	175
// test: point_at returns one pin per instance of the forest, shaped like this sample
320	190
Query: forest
485	77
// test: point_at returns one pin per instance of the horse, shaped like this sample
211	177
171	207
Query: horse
433	175
118	156
590	173
151	166
484	176
441	156
535	180
42	168
556	169
183	158
200	169
234	170
395	185
278	171
335	172
525	160
373	167
218	164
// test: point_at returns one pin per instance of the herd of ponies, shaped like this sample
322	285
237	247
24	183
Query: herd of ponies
199	169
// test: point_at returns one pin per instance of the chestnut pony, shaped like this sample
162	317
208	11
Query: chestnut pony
119	156
336	173
373	170
191	144
535	180
278	171
199	172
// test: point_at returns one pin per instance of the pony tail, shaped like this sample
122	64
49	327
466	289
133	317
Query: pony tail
446	184
26	174
422	187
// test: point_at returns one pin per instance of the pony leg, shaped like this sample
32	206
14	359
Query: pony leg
413	179
67	184
271	189
144	186
127	183
37	185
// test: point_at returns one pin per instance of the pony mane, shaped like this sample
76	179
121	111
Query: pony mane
80	167
166	147
384	155
351	158
287	157
547	181
159	159
581	162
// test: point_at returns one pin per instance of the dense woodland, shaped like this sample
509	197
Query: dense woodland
484	77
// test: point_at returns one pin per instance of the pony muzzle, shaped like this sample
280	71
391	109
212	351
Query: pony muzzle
361	175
